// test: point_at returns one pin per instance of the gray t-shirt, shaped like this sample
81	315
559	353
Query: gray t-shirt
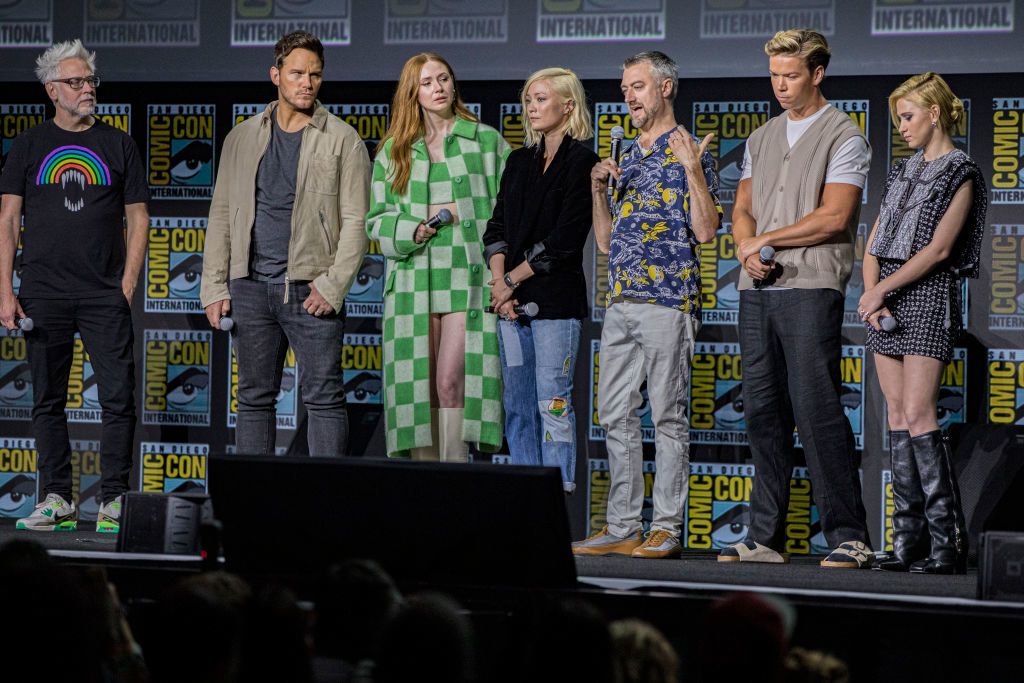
275	196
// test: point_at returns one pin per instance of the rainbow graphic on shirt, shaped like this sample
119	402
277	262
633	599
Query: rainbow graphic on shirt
73	167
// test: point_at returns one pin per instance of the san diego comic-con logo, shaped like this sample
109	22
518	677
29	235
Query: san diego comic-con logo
443	21
240	112
263	22
598	486
15	378
643	411
1006	294
759	19
599	286
151	23
1006	386
951	407
859	112
1007	150
574	21
366	296
732	123
924	17
18	476
888	507
803	524
717	505
174	265
286	402
181	150
361	368
851	392
961	134
716	399
83	401
512	124
719	277
74	168
177	377
173	467
117	115
26	24
369	120
85	478
15	119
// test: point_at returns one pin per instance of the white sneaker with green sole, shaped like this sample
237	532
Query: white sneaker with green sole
108	519
53	514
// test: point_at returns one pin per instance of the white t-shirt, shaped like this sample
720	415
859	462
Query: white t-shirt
849	165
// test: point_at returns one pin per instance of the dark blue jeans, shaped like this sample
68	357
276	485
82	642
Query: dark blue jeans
264	327
792	344
105	324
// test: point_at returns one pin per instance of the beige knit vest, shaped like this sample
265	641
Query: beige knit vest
787	184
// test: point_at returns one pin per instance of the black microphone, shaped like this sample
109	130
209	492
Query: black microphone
442	217
26	324
528	309
765	256
618	133
226	323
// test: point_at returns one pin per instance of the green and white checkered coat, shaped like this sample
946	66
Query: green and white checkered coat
475	155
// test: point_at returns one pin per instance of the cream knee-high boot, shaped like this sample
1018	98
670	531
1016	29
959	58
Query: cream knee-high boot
428	452
453	448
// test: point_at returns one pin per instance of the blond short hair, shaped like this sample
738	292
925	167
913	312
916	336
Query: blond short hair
808	45
566	85
928	90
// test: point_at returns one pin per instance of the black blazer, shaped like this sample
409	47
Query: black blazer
544	217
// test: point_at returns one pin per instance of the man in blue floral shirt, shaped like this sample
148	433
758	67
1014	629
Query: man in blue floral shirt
664	203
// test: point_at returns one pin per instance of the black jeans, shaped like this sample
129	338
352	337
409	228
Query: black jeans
105	324
792	344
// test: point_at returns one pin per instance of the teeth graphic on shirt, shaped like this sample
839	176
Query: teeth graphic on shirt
76	179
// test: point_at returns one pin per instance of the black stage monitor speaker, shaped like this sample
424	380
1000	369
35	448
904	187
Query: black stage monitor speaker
989	462
436	523
164	523
1001	566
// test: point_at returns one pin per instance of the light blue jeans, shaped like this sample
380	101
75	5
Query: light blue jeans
538	359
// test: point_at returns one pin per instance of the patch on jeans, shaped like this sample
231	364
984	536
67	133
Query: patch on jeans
558	406
547	437
566	365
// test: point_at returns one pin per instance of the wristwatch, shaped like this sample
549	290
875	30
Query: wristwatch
509	283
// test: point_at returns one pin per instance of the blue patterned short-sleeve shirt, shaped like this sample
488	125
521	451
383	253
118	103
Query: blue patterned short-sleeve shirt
653	255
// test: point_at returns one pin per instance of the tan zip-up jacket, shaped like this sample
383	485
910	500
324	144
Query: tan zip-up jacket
332	194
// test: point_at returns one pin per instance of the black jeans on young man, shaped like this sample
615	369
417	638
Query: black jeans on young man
105	325
791	342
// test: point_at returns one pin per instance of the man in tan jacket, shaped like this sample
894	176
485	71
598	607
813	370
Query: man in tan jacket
285	238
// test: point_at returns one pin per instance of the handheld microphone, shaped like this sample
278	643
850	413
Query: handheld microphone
26	324
887	323
226	323
618	133
442	217
765	256
528	309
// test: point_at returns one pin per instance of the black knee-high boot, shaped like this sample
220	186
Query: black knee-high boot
910	540
946	523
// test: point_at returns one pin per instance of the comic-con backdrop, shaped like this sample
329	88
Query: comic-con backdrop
187	373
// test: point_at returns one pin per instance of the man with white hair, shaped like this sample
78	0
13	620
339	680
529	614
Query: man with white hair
75	179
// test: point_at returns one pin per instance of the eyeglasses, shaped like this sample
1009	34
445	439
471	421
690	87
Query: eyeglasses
77	83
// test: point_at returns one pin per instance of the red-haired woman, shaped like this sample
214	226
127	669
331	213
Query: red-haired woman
442	374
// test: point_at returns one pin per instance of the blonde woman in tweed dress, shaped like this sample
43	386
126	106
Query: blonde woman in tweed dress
442	374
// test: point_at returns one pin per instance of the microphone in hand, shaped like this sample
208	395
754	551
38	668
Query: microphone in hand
26	324
529	309
887	323
442	217
766	256
226	323
617	134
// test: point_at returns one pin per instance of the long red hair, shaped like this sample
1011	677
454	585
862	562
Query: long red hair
407	117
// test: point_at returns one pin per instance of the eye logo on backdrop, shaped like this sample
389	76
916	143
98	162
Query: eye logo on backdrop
73	168
643	411
759	19
1007	150
146	23
177	377
925	17
361	368
573	21
366	296
732	123
719	275
174	265
286	397
1006	295
716	400
181	150
17	476
598	485
83	402
718	505
172	467
952	401
15	378
512	124
15	119
445	21
1006	386
85	478
26	23
858	111
263	22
